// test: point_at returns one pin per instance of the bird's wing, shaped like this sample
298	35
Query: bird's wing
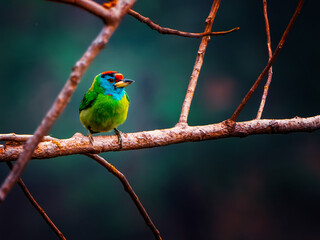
128	97
88	99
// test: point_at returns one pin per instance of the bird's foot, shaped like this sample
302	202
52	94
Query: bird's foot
118	133
90	138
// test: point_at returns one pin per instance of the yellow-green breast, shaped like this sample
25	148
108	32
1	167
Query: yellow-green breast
105	114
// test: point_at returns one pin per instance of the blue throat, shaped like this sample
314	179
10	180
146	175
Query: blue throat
117	93
111	90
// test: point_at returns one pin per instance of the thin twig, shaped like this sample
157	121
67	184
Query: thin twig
266	69
129	190
108	16
62	100
79	144
37	206
89	6
170	31
197	66
267	85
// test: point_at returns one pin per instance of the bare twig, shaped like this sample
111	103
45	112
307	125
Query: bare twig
197	66
106	15
38	207
266	69
89	6
79	144
266	86
170	31
62	100
129	190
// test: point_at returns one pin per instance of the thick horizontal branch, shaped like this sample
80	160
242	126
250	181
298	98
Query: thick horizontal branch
170	31
22	137
78	144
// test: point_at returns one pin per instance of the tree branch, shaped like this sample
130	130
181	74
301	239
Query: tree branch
266	86
129	190
108	16
89	6
63	98
37	206
198	64
22	137
170	31
78	144
24	147
266	69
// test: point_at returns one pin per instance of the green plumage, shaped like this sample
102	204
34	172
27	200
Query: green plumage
88	99
101	113
105	105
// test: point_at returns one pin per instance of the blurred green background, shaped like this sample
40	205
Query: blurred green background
259	187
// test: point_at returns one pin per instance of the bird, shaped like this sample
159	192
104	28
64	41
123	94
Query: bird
105	105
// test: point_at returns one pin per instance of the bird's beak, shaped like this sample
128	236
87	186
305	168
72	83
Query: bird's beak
123	83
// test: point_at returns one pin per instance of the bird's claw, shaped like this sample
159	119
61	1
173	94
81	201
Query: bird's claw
90	138
118	133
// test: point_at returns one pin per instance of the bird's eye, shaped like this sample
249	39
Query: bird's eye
111	80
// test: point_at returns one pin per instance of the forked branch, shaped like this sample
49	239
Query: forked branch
271	61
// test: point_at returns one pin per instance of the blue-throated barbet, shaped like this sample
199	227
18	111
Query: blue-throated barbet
105	105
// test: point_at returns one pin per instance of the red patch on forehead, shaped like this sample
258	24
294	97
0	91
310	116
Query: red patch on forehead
108	72
118	77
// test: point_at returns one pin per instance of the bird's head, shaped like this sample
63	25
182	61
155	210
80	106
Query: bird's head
112	83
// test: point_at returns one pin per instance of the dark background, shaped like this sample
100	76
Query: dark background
259	187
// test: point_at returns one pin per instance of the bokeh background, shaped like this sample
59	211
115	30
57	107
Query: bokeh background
259	187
